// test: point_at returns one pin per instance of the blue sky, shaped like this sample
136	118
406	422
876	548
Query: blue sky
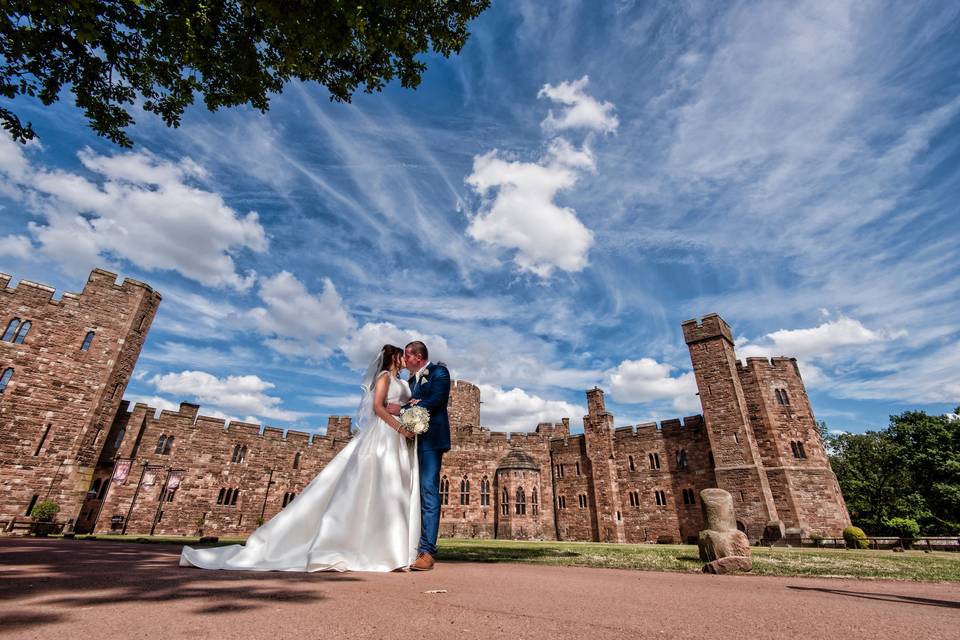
544	211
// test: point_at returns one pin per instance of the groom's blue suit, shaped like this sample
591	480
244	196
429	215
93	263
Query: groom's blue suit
433	392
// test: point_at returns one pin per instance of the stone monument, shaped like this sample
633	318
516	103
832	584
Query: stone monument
723	547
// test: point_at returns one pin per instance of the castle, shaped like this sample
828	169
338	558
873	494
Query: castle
66	436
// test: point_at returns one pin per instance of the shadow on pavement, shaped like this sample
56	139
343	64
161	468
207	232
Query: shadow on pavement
86	574
883	597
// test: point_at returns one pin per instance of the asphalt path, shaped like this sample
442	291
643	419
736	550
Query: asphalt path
100	590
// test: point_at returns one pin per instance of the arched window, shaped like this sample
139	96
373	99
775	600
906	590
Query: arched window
22	333
161	443
221	495
520	504
236	494
444	490
296	460
633	466
239	453
86	341
11	330
168	445
484	492
226	498
681	459
505	502
464	490
534	502
103	489
5	378
661	498
654	460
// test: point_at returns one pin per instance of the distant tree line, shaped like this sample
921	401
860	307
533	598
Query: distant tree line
904	479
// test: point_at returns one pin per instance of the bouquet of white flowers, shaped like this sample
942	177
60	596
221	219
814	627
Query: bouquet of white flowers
415	419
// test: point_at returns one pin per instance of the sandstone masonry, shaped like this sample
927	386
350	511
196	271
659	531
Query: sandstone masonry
66	435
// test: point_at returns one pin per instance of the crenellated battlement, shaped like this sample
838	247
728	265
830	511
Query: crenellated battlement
705	328
782	363
98	281
673	427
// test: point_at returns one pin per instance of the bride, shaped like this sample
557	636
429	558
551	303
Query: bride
360	513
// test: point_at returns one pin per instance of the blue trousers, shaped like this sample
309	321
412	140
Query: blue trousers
429	499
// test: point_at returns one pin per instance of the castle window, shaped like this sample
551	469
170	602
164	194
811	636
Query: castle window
782	397
578	468
120	434
221	495
161	443
582	500
521	502
634	499
504	502
95	487
22	333
288	498
484	492
561	502
43	439
741	496
5	378
239	453
236	494
654	460
444	491
681	459
143	320
86	341
296	460
227	498
798	451
464	490
689	497
11	330
167	446
170	494
534	502
103	489
559	470
630	462
660	497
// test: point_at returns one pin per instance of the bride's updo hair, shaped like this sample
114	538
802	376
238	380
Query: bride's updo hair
391	356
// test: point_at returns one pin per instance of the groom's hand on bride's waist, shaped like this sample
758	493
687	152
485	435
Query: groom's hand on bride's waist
394	409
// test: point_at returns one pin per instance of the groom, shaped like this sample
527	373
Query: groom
430	384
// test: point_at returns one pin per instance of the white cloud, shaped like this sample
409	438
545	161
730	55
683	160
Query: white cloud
522	214
517	410
362	346
143	209
349	400
816	342
241	394
300	323
582	111
646	380
16	246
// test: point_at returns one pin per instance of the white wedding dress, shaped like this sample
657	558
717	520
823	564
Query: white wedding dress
361	512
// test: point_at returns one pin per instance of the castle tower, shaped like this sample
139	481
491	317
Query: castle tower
738	464
519	498
598	432
803	484
68	363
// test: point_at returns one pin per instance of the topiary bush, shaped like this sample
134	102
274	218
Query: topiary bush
855	538
903	527
45	511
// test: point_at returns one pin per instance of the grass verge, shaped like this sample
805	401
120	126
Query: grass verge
935	566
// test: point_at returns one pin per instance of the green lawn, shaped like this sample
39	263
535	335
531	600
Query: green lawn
911	565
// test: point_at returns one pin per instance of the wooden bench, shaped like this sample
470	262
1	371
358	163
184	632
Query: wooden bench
20	524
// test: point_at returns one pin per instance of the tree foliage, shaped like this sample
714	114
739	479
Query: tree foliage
908	471
113	53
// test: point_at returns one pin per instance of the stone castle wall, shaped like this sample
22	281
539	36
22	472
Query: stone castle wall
113	468
61	397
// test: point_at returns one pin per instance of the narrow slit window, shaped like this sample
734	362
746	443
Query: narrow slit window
534	502
87	341
11	330
464	490
504	502
22	333
161	443
43	440
5	378
221	495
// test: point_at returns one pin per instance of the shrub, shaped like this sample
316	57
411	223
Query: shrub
260	521
817	539
903	527
45	511
855	538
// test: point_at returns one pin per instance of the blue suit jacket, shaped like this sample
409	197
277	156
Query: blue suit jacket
434	394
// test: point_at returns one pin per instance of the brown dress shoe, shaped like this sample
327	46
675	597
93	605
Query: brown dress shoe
424	562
